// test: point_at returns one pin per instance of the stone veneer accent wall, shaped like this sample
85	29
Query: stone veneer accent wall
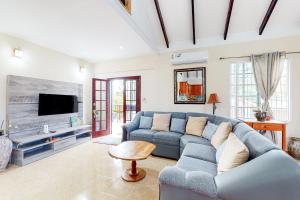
22	104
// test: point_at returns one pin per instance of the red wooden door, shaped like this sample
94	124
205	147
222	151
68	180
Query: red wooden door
132	97
101	108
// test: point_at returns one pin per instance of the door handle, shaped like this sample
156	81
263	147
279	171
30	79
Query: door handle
95	113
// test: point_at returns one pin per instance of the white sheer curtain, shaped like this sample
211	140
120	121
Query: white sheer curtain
267	69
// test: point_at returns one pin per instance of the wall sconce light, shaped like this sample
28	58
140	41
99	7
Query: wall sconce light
18	53
82	69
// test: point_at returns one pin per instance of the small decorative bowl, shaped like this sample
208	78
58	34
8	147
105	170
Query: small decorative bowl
260	115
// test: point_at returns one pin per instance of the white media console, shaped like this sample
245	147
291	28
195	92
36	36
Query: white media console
30	148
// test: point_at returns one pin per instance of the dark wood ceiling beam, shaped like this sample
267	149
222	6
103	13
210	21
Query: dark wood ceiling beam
267	16
228	18
162	24
193	21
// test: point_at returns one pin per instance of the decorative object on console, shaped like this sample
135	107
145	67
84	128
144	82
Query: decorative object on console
260	116
75	121
5	152
190	86
294	147
213	99
46	128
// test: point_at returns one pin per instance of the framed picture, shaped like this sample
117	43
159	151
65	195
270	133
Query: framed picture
190	86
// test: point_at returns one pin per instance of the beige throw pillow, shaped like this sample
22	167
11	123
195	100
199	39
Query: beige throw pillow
235	153
161	122
196	125
221	134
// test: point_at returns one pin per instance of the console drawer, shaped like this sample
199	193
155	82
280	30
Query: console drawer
267	127
64	143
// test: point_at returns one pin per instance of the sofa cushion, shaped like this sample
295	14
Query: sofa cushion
258	144
235	154
142	133
170	138
209	130
241	130
178	125
194	164
195	125
178	115
218	120
221	134
193	139
220	151
161	122
145	122
200	151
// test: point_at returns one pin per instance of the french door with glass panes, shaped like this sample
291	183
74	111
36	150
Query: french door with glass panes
132	97
107	110
101	107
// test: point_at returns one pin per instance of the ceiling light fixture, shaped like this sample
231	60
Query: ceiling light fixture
18	53
121	47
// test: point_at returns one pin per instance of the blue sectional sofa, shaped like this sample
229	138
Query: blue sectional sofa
269	174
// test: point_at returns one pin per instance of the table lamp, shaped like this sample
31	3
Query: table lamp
213	99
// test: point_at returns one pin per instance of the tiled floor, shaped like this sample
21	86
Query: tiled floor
85	172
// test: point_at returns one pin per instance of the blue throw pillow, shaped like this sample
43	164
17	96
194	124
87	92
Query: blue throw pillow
220	151
209	130
178	125
145	122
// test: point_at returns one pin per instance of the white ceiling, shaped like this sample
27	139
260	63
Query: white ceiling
87	29
94	30
210	15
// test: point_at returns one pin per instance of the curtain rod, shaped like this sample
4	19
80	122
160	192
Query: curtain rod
225	58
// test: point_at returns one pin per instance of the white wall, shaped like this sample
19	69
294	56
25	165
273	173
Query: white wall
157	76
39	62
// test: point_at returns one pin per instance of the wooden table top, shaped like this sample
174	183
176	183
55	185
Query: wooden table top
265	122
132	150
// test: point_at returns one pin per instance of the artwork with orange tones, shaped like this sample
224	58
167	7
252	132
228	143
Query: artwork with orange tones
190	86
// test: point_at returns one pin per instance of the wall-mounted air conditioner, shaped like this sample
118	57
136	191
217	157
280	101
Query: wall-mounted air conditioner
189	57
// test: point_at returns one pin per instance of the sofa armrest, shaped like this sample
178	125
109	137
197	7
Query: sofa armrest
197	181
129	127
274	175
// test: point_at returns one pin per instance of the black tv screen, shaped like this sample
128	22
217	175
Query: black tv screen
53	104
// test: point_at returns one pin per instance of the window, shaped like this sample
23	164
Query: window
244	94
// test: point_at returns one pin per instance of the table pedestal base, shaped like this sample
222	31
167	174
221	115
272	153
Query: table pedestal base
133	174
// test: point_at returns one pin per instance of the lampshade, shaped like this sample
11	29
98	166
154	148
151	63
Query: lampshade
213	98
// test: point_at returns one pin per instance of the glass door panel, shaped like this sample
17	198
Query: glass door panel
132	103
100	107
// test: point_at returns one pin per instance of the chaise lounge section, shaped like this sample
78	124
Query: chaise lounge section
269	174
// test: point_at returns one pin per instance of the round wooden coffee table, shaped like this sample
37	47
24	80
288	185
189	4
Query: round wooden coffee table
132	151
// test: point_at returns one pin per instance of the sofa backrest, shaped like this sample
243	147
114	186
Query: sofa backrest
178	115
256	143
182	115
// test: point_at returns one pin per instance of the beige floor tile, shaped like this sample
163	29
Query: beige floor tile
85	172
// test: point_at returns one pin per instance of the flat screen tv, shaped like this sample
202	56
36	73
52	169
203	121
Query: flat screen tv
54	104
